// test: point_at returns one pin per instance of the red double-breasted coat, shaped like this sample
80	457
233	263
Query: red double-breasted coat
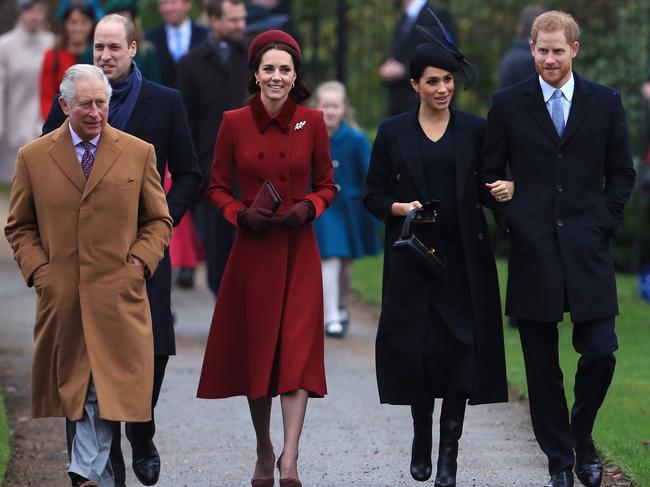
266	336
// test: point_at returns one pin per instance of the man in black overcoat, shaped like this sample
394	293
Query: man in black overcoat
212	78
156	115
394	70
565	139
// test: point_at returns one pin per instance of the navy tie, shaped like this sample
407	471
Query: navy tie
557	112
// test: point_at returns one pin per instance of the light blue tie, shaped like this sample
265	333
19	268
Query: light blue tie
557	112
177	51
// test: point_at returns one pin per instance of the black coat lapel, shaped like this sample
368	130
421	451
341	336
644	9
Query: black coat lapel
409	150
580	105
464	136
534	102
141	110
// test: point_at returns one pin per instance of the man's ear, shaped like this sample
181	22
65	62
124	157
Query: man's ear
64	106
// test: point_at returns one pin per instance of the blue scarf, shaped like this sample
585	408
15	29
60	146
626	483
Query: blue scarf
125	94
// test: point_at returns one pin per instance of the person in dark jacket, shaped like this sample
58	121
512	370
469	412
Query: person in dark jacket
156	115
517	64
565	140
218	61
175	37
437	338
394	70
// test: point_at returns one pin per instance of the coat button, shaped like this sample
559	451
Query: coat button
560	155
282	154
398	176
283	179
260	155
336	163
559	188
481	236
338	187
560	222
478	206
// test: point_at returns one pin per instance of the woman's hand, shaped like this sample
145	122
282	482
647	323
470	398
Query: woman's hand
402	209
501	190
256	220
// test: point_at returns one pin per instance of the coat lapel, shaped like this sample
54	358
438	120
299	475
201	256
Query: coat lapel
464	148
141	110
408	147
65	157
534	102
107	153
580	105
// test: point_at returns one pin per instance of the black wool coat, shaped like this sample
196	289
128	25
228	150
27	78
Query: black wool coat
159	118
568	201
396	175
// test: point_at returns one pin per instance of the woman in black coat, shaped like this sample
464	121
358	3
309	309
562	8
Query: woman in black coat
437	338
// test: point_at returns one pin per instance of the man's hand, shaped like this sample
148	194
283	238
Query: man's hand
392	70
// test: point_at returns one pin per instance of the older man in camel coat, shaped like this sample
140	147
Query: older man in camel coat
88	222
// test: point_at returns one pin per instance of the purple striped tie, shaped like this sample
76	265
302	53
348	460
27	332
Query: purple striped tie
88	158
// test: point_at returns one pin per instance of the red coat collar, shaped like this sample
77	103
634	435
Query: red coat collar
263	120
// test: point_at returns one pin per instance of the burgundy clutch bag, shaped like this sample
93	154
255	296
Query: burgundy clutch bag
267	197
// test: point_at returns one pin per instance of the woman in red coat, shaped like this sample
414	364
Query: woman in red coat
266	337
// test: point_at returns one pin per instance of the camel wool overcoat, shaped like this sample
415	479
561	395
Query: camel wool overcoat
71	239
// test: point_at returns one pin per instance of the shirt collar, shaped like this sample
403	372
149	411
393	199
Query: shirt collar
185	28
567	89
414	8
76	140
283	118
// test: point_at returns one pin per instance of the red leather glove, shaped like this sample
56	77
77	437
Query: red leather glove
256	220
298	214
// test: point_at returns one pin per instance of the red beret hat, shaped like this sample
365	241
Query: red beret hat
272	37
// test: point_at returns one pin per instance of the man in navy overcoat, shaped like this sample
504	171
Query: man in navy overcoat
565	139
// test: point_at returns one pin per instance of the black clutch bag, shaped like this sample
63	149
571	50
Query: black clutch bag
409	242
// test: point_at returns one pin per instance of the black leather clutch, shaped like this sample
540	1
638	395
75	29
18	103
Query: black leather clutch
409	242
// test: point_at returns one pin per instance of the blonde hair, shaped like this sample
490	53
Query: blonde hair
338	88
553	21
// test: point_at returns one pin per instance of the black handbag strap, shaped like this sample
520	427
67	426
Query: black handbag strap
406	227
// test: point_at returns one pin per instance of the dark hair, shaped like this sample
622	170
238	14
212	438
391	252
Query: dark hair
416	69
85	10
215	7
299	93
527	17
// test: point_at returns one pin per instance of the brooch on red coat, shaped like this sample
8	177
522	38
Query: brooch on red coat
299	125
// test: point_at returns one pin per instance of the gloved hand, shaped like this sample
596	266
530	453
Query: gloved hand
298	214
256	220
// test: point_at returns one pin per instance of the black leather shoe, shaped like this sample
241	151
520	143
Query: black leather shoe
146	462
185	278
79	481
561	479
589	468
447	466
422	443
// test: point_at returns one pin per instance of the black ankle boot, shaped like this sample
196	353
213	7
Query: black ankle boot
421	449
451	428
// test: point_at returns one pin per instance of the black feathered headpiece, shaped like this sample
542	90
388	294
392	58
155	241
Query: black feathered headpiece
442	48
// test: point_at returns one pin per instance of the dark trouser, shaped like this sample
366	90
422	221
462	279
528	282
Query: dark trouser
134	431
216	236
596	342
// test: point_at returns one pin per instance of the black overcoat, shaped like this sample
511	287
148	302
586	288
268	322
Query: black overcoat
568	201
159	118
396	175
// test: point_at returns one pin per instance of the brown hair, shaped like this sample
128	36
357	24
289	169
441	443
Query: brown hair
129	28
215	7
299	93
553	21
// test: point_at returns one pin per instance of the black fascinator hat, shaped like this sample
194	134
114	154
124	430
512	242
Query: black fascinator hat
442	52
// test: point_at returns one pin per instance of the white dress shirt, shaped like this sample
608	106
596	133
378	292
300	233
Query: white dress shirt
567	95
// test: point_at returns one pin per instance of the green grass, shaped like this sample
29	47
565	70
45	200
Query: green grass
623	425
4	440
